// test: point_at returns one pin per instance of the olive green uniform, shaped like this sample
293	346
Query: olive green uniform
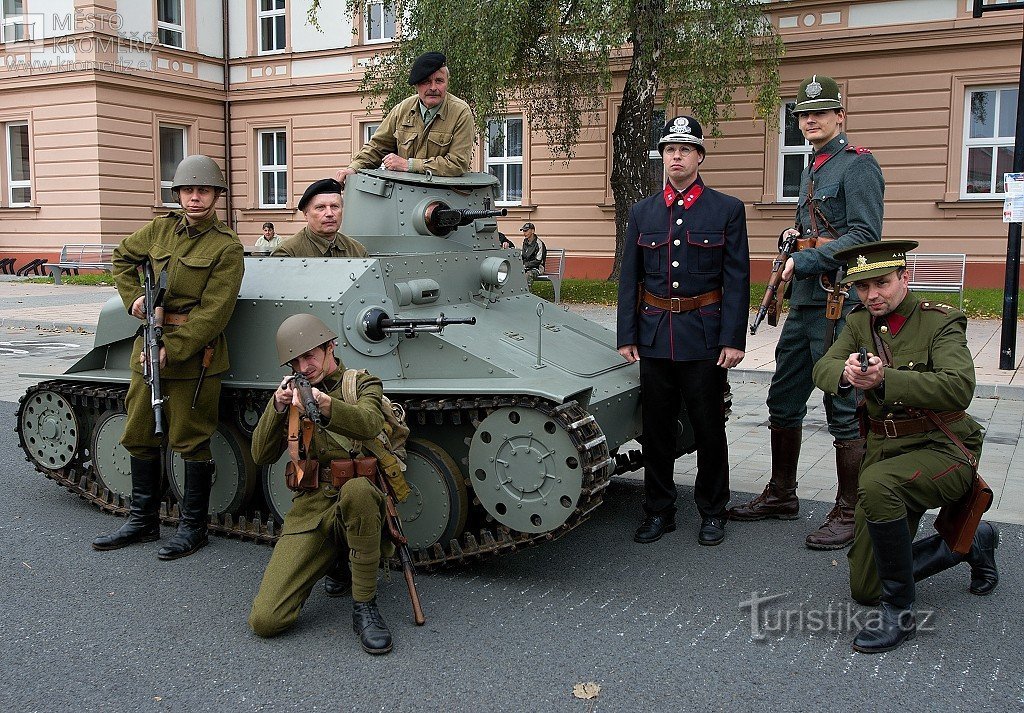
325	522
444	146
903	477
204	265
306	243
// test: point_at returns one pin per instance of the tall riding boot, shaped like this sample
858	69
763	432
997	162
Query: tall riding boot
779	497
837	530
195	512
144	513
932	555
894	558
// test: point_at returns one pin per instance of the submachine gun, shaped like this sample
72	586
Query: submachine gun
152	337
771	304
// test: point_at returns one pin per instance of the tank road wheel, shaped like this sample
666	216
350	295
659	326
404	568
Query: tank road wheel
436	509
50	431
234	478
525	469
109	458
275	492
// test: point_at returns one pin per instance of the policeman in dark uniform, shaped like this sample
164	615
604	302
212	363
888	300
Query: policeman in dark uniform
684	298
840	206
912	464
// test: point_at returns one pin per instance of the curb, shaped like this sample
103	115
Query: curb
48	325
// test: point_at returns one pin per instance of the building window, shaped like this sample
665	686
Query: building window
505	158
379	21
18	167
169	23
794	153
655	165
989	127
13	25
173	140
271	18
273	157
368	131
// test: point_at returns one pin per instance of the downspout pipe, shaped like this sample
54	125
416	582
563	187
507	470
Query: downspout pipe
227	111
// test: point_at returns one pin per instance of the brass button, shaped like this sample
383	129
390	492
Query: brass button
883	329
675	263
911	365
675	285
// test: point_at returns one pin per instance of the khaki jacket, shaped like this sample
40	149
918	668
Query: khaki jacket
306	243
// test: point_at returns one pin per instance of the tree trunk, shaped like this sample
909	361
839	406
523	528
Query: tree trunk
633	125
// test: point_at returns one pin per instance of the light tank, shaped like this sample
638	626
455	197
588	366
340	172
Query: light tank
517	420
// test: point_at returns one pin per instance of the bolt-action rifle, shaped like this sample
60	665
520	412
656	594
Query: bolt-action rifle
394	522
153	339
771	303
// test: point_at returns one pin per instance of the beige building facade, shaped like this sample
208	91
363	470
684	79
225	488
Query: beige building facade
102	98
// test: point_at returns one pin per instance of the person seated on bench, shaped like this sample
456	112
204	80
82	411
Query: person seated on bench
534	253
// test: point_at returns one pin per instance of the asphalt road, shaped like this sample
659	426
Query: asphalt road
659	627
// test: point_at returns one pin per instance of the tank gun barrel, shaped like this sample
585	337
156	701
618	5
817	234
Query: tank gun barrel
457	217
377	324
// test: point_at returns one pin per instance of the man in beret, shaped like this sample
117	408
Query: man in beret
840	206
321	204
684	299
917	360
430	131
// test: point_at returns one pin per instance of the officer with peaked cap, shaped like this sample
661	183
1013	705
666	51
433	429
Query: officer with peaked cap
917	359
431	130
321	204
840	206
204	263
684	298
328	520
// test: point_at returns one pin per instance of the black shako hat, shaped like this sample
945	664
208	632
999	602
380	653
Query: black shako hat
425	65
324	185
682	130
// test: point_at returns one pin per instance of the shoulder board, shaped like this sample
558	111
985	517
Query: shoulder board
858	149
937	307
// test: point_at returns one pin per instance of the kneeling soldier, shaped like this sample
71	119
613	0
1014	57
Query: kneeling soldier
329	516
911	464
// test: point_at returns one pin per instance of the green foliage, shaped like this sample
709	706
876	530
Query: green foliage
96	279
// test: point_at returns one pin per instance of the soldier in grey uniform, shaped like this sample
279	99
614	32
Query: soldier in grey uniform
840	206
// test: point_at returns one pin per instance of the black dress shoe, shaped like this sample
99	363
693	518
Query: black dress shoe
654	526
712	531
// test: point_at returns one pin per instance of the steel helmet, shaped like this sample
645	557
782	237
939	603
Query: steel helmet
300	333
198	170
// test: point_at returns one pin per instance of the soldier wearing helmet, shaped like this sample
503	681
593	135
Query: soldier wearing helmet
332	517
203	259
840	206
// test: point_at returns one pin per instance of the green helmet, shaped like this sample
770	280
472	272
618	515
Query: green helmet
819	93
300	333
198	170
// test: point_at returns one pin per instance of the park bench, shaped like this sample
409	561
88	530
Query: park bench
87	256
554	268
937	272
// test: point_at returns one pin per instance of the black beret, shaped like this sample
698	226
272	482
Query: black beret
324	185
425	65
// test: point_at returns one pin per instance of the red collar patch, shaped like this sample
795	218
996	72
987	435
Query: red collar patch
820	159
896	322
687	199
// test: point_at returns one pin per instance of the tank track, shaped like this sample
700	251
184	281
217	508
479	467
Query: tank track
79	476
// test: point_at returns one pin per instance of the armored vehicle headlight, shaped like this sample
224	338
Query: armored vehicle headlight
494	271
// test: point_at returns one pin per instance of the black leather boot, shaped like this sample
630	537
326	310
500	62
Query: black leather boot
894	558
195	512
374	634
779	498
144	519
932	555
338	582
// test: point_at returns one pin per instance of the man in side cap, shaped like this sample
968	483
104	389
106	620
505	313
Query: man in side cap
321	204
917	373
430	131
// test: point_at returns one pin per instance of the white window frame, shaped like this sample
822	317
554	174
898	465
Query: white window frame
505	160
170	26
993	142
369	129
270	170
272	14
785	150
16	21
384	12
9	168
165	185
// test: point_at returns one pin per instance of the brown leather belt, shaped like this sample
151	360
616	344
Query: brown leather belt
175	318
805	243
682	304
897	428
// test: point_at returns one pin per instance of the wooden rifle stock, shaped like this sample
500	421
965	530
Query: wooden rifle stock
771	303
402	545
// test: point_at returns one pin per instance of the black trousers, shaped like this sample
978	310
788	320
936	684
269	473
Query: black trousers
664	386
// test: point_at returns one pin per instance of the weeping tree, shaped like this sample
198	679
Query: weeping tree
557	59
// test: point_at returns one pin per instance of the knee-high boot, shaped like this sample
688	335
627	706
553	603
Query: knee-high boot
144	519
837	530
195	512
894	558
779	497
932	555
